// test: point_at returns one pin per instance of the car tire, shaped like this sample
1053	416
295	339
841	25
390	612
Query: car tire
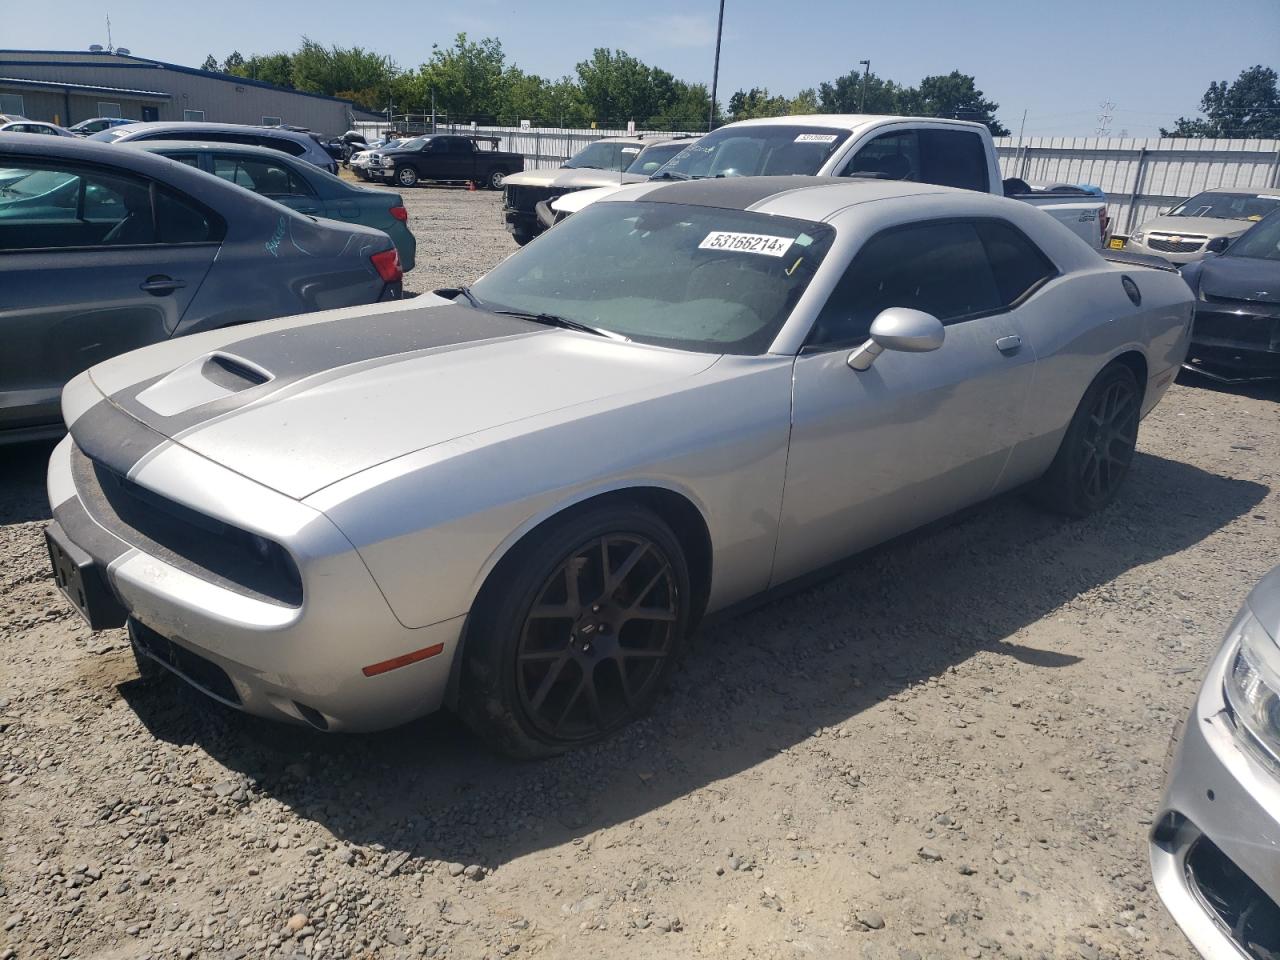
406	176
576	633
494	180
521	237
1097	449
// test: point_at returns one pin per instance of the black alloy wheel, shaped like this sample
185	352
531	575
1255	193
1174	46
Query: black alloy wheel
594	643
1109	439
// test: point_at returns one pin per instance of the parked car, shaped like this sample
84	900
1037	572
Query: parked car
103	250
441	158
359	162
520	502
950	153
286	141
608	162
300	185
86	128
353	141
1205	224
1215	846
37	127
1237	323
10	118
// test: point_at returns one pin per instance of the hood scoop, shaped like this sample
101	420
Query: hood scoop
205	379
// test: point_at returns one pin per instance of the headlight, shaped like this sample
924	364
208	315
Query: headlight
1253	686
1136	237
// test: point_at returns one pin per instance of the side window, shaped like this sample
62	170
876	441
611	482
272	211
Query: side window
459	145
940	268
953	158
890	156
1018	264
291	147
179	221
261	176
59	206
190	159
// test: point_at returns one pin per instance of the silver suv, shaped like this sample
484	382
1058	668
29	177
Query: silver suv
298	145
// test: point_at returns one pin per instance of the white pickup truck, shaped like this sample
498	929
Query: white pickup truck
952	153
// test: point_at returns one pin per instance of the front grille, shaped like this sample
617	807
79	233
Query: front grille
525	199
198	671
1242	909
1170	244
184	538
1237	330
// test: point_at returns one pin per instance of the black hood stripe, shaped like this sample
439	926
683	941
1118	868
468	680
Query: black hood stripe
291	355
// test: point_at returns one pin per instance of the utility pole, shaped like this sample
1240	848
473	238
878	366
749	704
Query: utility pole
715	74
866	72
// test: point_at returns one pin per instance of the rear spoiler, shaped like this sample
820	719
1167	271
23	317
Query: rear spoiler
1127	259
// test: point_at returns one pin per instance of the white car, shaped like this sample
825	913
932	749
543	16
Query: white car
949	153
35	126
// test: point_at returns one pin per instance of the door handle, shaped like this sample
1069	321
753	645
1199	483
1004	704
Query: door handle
159	285
1009	344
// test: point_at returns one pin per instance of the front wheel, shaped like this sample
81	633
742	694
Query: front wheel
1097	449
521	237
494	182
578	633
407	177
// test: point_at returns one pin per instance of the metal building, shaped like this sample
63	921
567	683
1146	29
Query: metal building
67	87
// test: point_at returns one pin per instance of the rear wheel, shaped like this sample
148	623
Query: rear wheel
407	177
521	237
578	633
1097	449
494	182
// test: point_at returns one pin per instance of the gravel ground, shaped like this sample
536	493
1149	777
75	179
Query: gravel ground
950	748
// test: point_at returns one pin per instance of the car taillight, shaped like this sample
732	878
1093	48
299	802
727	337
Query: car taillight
400	213
387	263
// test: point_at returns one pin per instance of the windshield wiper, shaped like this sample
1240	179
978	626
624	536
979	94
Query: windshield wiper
671	175
471	297
554	320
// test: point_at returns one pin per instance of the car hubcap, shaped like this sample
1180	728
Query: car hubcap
594	643
407	177
1109	439
496	180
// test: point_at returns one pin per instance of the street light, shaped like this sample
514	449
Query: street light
862	101
715	74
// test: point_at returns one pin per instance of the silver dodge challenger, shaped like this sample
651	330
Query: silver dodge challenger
517	499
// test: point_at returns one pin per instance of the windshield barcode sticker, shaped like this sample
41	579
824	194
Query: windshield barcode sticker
816	138
746	243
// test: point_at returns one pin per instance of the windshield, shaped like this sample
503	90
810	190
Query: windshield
1228	206
1260	243
693	278
417	143
603	156
752	151
651	158
108	135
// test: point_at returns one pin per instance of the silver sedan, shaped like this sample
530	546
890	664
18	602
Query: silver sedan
518	499
1215	848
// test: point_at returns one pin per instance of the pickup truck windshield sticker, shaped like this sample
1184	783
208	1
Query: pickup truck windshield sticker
630	149
816	138
746	243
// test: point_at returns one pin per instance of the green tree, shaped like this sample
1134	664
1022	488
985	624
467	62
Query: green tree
469	79
352	72
806	101
276	68
845	95
951	95
210	63
757	102
1247	107
234	63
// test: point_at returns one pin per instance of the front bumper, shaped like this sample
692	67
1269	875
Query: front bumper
1221	816
303	663
1238	334
1173	256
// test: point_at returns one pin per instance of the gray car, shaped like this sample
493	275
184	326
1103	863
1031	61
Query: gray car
520	501
1215	847
38	127
1202	225
286	141
103	250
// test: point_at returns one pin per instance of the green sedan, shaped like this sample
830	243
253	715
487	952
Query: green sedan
297	184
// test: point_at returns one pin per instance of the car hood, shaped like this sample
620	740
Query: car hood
1241	278
532	178
584	179
299	404
1200	226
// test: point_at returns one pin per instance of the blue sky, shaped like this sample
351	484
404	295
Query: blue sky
1058	61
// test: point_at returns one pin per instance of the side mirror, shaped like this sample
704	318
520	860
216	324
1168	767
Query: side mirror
1218	244
902	329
